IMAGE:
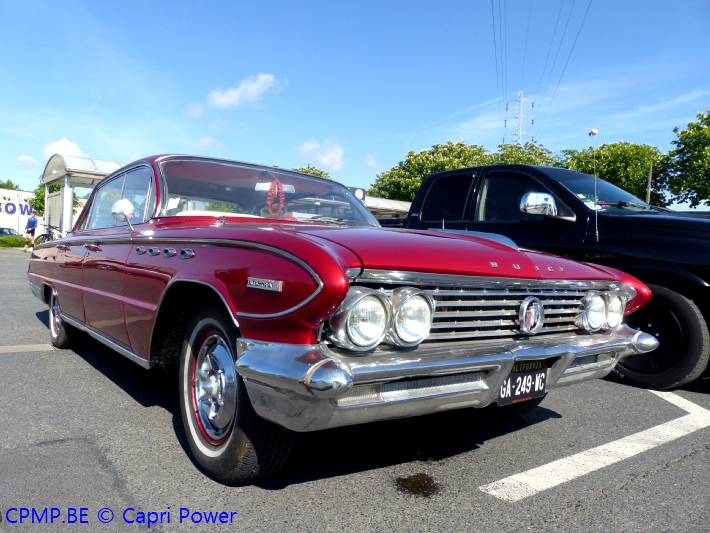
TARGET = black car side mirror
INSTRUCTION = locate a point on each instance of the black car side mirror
(541, 203)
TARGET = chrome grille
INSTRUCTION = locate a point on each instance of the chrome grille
(470, 312)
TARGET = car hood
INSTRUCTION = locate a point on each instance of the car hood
(448, 253)
(667, 222)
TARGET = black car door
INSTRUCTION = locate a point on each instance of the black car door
(496, 209)
(446, 205)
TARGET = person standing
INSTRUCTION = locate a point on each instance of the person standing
(30, 228)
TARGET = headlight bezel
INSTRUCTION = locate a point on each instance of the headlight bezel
(400, 297)
(338, 332)
(608, 298)
(588, 301)
(611, 296)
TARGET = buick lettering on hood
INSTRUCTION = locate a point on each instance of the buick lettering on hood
(285, 308)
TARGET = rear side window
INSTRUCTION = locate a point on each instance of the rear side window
(447, 200)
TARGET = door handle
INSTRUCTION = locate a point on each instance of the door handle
(63, 247)
(93, 247)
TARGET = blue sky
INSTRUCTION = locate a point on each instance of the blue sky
(348, 86)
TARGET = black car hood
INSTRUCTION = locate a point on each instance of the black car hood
(666, 222)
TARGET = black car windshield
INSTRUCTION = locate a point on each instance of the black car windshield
(199, 187)
(608, 196)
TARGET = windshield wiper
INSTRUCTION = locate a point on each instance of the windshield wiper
(329, 220)
(623, 203)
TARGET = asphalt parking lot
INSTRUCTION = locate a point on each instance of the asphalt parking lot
(87, 428)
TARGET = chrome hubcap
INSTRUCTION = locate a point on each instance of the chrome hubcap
(215, 387)
(55, 318)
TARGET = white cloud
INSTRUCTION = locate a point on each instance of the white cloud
(218, 126)
(328, 156)
(62, 146)
(27, 161)
(249, 90)
(371, 162)
(195, 110)
(209, 141)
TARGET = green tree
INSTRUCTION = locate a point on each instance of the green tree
(623, 164)
(313, 171)
(686, 170)
(530, 153)
(402, 181)
(37, 203)
(9, 185)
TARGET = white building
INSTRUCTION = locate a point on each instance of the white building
(14, 209)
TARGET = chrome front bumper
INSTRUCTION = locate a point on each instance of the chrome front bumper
(307, 388)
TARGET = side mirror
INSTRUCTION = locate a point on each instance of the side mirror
(123, 210)
(538, 203)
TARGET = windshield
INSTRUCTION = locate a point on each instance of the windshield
(222, 188)
(609, 197)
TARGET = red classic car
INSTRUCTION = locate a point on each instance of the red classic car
(284, 307)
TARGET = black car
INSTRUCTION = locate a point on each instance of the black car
(578, 216)
(8, 232)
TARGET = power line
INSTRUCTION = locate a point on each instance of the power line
(525, 53)
(502, 50)
(495, 51)
(552, 41)
(552, 69)
(565, 67)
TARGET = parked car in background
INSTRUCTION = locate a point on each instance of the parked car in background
(574, 215)
(9, 232)
(284, 307)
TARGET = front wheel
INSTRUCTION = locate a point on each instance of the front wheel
(229, 441)
(684, 344)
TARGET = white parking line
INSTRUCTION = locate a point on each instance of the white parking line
(520, 486)
(26, 348)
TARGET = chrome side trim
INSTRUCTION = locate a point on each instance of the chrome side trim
(120, 349)
(79, 240)
(252, 245)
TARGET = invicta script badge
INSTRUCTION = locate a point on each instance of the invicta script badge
(265, 284)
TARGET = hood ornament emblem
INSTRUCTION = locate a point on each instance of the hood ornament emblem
(516, 266)
(531, 315)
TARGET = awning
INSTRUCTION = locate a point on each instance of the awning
(382, 207)
(82, 171)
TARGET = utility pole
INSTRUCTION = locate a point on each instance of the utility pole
(519, 116)
(648, 185)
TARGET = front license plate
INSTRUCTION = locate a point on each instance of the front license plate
(526, 381)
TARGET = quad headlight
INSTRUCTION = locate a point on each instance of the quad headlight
(361, 321)
(602, 310)
(615, 310)
(367, 317)
(413, 315)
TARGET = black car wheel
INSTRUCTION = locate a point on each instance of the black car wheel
(229, 441)
(684, 343)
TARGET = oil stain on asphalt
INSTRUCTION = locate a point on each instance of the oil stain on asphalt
(417, 485)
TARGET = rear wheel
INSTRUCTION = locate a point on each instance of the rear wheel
(229, 441)
(60, 333)
(684, 343)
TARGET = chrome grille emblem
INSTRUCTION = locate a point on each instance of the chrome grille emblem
(531, 315)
